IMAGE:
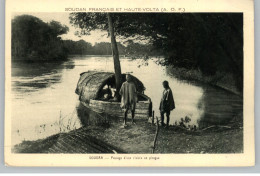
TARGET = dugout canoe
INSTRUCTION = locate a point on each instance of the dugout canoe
(89, 88)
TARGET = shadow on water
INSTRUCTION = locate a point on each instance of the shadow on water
(220, 107)
(49, 90)
(89, 117)
(216, 106)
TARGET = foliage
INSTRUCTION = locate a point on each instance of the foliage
(209, 42)
(104, 48)
(33, 39)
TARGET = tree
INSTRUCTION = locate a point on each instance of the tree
(33, 39)
(209, 42)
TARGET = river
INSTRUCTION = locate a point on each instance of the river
(44, 100)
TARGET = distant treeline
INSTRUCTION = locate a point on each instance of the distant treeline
(35, 40)
(104, 48)
(211, 43)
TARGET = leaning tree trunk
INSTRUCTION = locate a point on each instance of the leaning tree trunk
(115, 54)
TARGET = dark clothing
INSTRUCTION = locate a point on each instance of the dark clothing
(167, 116)
(167, 104)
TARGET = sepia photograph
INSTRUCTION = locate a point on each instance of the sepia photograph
(103, 81)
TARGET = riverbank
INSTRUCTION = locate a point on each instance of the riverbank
(104, 139)
(139, 138)
(224, 81)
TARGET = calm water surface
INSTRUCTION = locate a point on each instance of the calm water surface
(44, 100)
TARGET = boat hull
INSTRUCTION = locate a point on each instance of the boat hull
(143, 108)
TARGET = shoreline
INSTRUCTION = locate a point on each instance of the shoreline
(112, 138)
(225, 82)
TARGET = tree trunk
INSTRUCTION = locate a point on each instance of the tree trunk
(115, 54)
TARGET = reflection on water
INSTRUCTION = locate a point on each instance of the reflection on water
(88, 117)
(44, 100)
(32, 76)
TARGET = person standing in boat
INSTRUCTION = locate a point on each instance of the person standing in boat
(128, 97)
(167, 103)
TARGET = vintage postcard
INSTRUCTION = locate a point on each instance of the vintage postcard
(129, 83)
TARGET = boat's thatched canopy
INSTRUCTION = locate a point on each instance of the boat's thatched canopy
(91, 83)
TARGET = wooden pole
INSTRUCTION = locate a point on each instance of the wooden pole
(115, 54)
(153, 118)
(156, 134)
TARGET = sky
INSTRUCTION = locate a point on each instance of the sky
(63, 18)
